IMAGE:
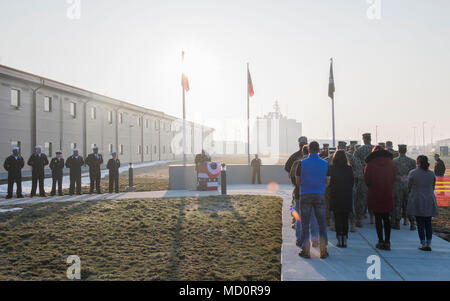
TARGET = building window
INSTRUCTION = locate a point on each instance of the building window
(110, 148)
(156, 125)
(73, 110)
(146, 123)
(15, 144)
(139, 120)
(120, 118)
(73, 145)
(93, 113)
(15, 98)
(164, 149)
(47, 104)
(48, 149)
(121, 149)
(110, 117)
(139, 149)
(147, 149)
(154, 147)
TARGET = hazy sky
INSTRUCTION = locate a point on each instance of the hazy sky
(393, 72)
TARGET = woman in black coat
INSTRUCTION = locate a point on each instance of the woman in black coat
(341, 194)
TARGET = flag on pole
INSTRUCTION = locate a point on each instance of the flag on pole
(331, 88)
(250, 84)
(185, 82)
(184, 78)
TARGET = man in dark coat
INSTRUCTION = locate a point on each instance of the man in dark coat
(113, 167)
(256, 169)
(37, 161)
(57, 165)
(74, 163)
(14, 164)
(439, 167)
(94, 161)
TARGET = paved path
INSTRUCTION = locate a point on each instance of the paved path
(404, 262)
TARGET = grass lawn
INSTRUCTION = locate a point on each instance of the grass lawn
(207, 238)
(142, 183)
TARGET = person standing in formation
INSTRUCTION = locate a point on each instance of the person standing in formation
(439, 167)
(57, 165)
(74, 163)
(256, 169)
(379, 176)
(94, 161)
(312, 178)
(341, 194)
(422, 200)
(298, 155)
(358, 175)
(403, 165)
(37, 161)
(314, 227)
(390, 148)
(113, 167)
(361, 154)
(13, 165)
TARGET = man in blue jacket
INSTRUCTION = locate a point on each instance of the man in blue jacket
(312, 177)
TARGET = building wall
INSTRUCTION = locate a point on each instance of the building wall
(61, 129)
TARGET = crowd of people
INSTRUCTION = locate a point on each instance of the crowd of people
(38, 161)
(339, 188)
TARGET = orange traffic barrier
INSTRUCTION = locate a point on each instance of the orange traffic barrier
(442, 191)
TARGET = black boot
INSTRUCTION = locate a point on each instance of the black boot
(344, 241)
(339, 241)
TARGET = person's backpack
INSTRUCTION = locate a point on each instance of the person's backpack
(293, 170)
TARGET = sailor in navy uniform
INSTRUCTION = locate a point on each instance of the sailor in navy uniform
(57, 165)
(14, 164)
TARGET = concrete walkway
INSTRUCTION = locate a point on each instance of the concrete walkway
(404, 262)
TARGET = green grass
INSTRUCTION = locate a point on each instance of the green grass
(208, 238)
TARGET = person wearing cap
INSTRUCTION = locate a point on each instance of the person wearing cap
(94, 161)
(288, 167)
(325, 151)
(390, 148)
(352, 148)
(13, 165)
(57, 165)
(382, 145)
(361, 202)
(404, 165)
(37, 161)
(74, 163)
(439, 167)
(256, 169)
(113, 166)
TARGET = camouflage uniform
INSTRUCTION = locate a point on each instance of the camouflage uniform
(404, 165)
(358, 174)
(361, 204)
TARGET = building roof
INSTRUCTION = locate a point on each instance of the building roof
(50, 83)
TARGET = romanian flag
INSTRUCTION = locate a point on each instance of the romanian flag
(185, 82)
(250, 84)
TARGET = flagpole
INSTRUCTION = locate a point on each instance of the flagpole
(184, 117)
(248, 117)
(332, 103)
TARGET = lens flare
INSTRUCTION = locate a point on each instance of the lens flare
(273, 187)
(295, 214)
